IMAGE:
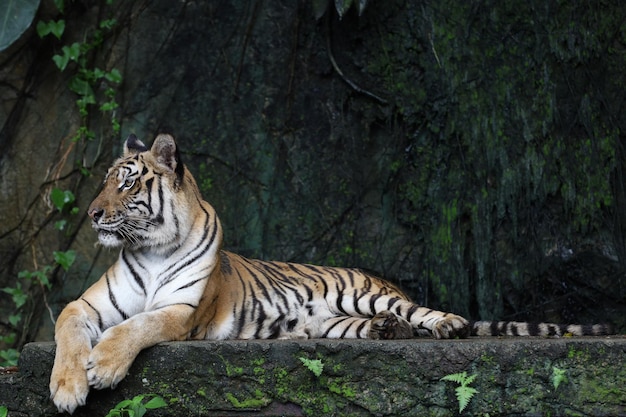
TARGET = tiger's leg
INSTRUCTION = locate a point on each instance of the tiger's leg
(111, 358)
(78, 364)
(385, 325)
(441, 325)
(76, 328)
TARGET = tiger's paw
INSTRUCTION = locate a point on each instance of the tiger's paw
(387, 325)
(451, 326)
(107, 366)
(68, 388)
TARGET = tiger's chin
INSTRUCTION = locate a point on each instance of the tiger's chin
(110, 239)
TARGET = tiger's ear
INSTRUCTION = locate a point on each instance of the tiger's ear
(165, 151)
(133, 145)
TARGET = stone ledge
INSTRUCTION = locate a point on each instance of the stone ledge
(514, 377)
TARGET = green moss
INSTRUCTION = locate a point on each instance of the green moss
(605, 388)
(231, 370)
(488, 359)
(577, 354)
(340, 388)
(258, 401)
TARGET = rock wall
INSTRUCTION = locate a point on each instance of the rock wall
(514, 377)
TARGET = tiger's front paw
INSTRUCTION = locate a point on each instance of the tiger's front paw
(68, 388)
(107, 366)
(451, 326)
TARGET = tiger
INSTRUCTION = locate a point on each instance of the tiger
(173, 281)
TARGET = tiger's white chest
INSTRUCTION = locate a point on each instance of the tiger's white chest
(153, 281)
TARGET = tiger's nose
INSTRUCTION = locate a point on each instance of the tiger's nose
(95, 213)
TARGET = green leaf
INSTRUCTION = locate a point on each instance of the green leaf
(314, 365)
(60, 4)
(14, 319)
(8, 339)
(42, 276)
(70, 53)
(108, 23)
(81, 87)
(156, 402)
(61, 61)
(459, 378)
(114, 76)
(108, 106)
(98, 73)
(24, 274)
(73, 51)
(15, 17)
(4, 412)
(558, 376)
(17, 295)
(65, 259)
(56, 28)
(123, 404)
(469, 379)
(60, 225)
(9, 356)
(61, 198)
(464, 394)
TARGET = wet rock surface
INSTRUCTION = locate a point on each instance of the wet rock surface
(521, 377)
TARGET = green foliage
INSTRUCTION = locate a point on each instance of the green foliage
(63, 201)
(64, 259)
(9, 356)
(558, 376)
(4, 412)
(51, 27)
(314, 365)
(464, 392)
(20, 297)
(86, 78)
(61, 198)
(136, 407)
(69, 53)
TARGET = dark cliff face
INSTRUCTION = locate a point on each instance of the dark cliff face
(471, 153)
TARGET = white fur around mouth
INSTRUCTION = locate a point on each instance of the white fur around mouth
(108, 238)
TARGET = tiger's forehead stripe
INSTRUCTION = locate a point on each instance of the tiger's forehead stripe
(122, 172)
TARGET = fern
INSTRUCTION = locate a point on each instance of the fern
(558, 376)
(463, 392)
(314, 365)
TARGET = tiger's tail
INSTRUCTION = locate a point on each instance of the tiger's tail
(513, 328)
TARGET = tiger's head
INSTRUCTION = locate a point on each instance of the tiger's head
(146, 197)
